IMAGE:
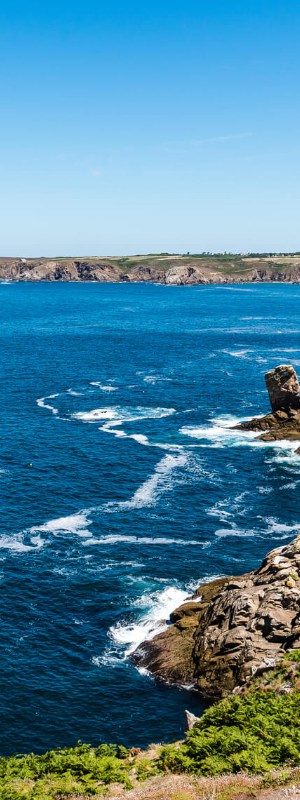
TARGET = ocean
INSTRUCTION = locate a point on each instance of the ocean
(123, 487)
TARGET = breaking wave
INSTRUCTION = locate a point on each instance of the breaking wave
(221, 433)
(157, 609)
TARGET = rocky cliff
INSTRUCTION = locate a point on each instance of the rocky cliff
(231, 628)
(163, 268)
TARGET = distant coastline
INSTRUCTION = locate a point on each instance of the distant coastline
(163, 268)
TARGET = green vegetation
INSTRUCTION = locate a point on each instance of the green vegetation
(254, 731)
(253, 734)
(61, 773)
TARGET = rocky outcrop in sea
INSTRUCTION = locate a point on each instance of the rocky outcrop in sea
(284, 420)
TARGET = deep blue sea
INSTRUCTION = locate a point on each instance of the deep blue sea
(123, 487)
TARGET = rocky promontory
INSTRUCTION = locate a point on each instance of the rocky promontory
(230, 628)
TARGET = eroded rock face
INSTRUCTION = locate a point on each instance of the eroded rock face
(283, 387)
(284, 421)
(231, 627)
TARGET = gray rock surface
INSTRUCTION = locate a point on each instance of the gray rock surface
(231, 628)
(283, 387)
(191, 720)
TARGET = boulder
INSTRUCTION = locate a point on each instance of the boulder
(190, 720)
(238, 625)
(284, 421)
(283, 387)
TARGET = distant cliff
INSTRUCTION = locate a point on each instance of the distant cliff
(179, 270)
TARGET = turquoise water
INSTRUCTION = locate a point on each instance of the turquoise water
(121, 397)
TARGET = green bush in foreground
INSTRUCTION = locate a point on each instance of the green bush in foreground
(253, 733)
(74, 770)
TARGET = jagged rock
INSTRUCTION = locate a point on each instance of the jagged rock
(230, 627)
(284, 421)
(191, 720)
(283, 387)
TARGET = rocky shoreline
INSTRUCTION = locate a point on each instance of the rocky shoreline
(235, 626)
(177, 270)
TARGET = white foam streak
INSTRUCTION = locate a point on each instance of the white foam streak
(115, 416)
(104, 388)
(98, 414)
(156, 540)
(153, 379)
(220, 432)
(42, 404)
(140, 438)
(238, 353)
(148, 493)
(274, 530)
(74, 524)
(279, 528)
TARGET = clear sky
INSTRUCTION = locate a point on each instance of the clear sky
(146, 126)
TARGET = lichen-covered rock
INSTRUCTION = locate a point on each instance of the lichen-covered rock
(231, 627)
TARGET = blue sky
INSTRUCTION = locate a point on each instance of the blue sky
(131, 127)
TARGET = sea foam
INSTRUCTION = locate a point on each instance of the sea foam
(74, 523)
(112, 538)
(148, 493)
(157, 610)
(42, 404)
(221, 433)
(115, 416)
(103, 387)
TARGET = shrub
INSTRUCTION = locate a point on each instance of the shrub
(253, 733)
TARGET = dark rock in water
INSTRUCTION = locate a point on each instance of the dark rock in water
(284, 421)
(231, 628)
(283, 387)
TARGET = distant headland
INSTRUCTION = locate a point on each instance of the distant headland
(164, 268)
